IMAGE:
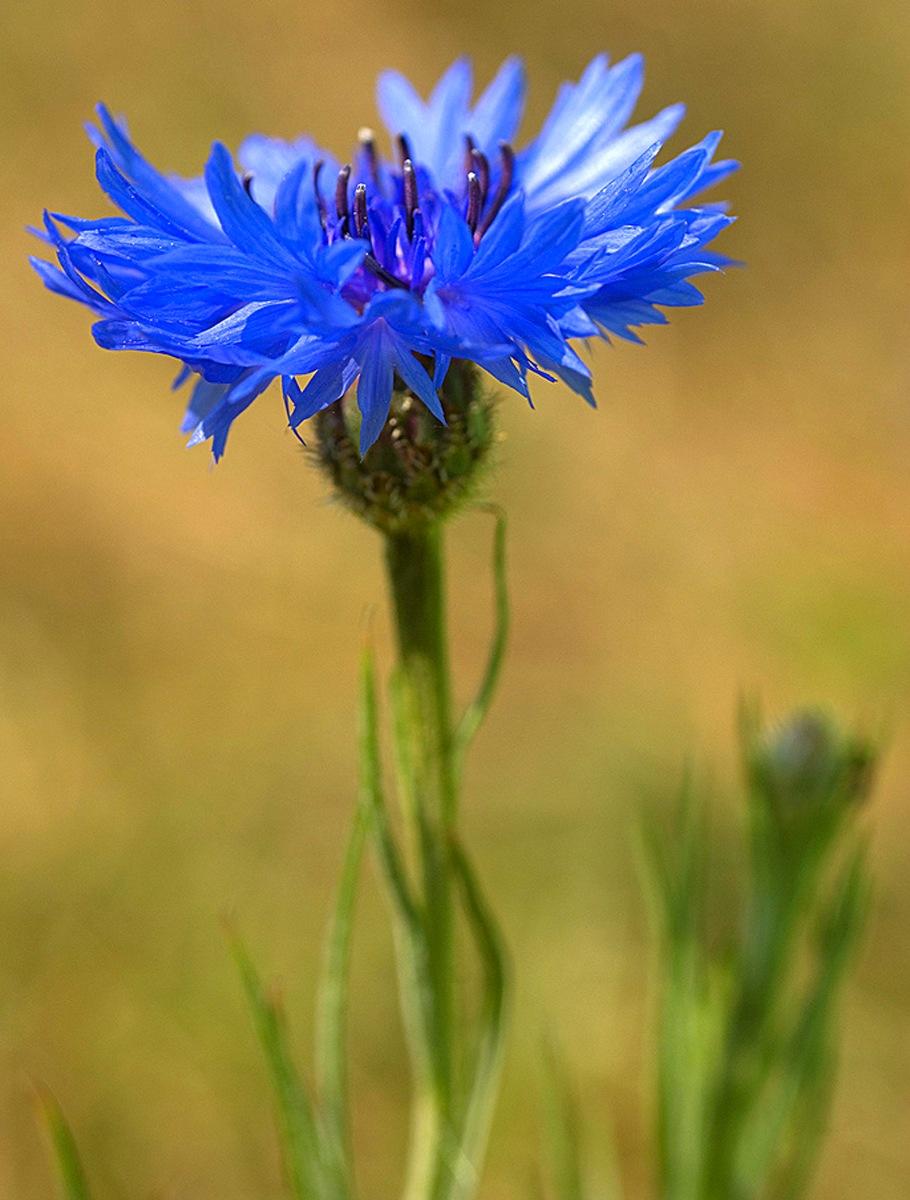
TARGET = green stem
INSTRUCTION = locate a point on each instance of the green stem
(415, 566)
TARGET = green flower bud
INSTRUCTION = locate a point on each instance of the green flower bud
(419, 470)
(806, 764)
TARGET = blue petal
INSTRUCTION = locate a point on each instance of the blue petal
(268, 160)
(374, 390)
(606, 208)
(204, 399)
(132, 202)
(153, 185)
(503, 237)
(449, 105)
(216, 424)
(454, 246)
(401, 108)
(497, 114)
(327, 385)
(416, 378)
(244, 222)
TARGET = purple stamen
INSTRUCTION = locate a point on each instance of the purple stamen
(404, 148)
(480, 165)
(361, 225)
(474, 201)
(410, 194)
(341, 200)
(507, 154)
(320, 202)
(373, 265)
(248, 183)
(469, 152)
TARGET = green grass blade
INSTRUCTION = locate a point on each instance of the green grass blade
(487, 1066)
(563, 1129)
(66, 1154)
(331, 1061)
(690, 1009)
(477, 710)
(299, 1135)
(812, 1046)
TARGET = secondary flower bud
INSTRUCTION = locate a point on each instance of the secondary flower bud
(807, 763)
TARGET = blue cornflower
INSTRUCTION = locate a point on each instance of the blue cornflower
(289, 264)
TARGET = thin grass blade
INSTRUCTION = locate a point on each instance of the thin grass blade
(487, 1065)
(476, 711)
(71, 1173)
(563, 1129)
(298, 1130)
(331, 1023)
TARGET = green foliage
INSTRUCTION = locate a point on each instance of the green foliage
(455, 1069)
(455, 1076)
(302, 1147)
(331, 1056)
(430, 883)
(485, 1068)
(476, 711)
(455, 1072)
(562, 1127)
(66, 1155)
(746, 1033)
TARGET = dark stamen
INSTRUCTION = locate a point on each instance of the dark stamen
(473, 201)
(470, 148)
(373, 264)
(410, 194)
(320, 202)
(248, 183)
(404, 148)
(481, 167)
(367, 139)
(341, 199)
(361, 227)
(507, 155)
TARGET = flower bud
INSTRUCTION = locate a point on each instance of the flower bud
(806, 764)
(419, 470)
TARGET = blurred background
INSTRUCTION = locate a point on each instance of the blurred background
(178, 645)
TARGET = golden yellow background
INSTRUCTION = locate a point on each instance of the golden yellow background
(178, 645)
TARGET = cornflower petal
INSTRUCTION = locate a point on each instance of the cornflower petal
(286, 264)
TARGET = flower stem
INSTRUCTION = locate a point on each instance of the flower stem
(414, 560)
(415, 566)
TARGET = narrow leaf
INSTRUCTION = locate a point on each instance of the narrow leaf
(563, 1129)
(487, 1065)
(297, 1126)
(477, 710)
(69, 1165)
(333, 1007)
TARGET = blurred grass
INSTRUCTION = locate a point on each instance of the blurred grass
(178, 646)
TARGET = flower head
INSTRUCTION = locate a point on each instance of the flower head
(379, 272)
(806, 764)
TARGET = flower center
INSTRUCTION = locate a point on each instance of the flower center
(396, 212)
